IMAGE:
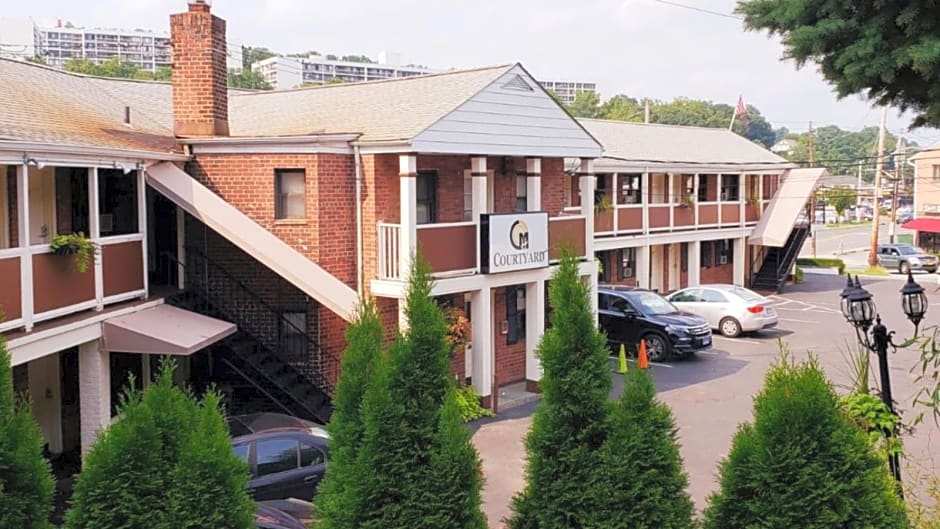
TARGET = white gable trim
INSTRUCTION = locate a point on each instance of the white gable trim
(504, 120)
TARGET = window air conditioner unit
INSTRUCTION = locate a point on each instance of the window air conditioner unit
(627, 272)
(723, 259)
(106, 223)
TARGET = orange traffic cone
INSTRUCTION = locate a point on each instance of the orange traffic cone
(642, 361)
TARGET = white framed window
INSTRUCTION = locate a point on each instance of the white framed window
(290, 196)
(936, 173)
(522, 194)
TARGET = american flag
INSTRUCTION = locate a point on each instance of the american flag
(741, 109)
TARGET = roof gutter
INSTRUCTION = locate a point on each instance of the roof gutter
(277, 140)
(23, 147)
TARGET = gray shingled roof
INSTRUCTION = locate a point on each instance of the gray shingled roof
(633, 145)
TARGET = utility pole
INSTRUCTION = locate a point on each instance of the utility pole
(812, 198)
(858, 194)
(646, 112)
(898, 151)
(876, 209)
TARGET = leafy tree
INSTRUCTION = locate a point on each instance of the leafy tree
(113, 67)
(840, 197)
(338, 500)
(163, 73)
(802, 463)
(417, 467)
(622, 108)
(571, 425)
(251, 55)
(247, 79)
(887, 51)
(641, 473)
(335, 80)
(843, 152)
(37, 59)
(331, 57)
(210, 482)
(585, 105)
(26, 483)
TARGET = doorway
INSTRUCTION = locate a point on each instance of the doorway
(124, 366)
(163, 250)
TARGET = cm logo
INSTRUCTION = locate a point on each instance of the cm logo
(519, 235)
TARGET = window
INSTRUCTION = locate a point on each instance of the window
(276, 455)
(627, 263)
(515, 314)
(706, 254)
(684, 257)
(936, 173)
(618, 304)
(713, 296)
(467, 198)
(242, 451)
(630, 189)
(729, 187)
(117, 202)
(311, 455)
(703, 188)
(291, 196)
(522, 194)
(292, 338)
(600, 188)
(426, 197)
(724, 252)
(603, 266)
(686, 296)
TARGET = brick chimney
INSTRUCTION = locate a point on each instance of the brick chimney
(200, 76)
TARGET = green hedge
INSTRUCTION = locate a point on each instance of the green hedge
(822, 262)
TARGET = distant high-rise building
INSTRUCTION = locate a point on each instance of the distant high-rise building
(567, 90)
(289, 72)
(58, 43)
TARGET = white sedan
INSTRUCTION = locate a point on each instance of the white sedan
(728, 309)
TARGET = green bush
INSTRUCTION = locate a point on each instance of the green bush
(338, 500)
(822, 262)
(798, 275)
(802, 463)
(416, 467)
(26, 483)
(468, 402)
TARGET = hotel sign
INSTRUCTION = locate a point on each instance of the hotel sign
(513, 241)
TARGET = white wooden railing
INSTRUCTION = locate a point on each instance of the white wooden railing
(389, 251)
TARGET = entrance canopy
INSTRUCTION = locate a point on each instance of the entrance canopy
(164, 330)
(777, 221)
(927, 225)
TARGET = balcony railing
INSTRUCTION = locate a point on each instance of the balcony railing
(388, 249)
(38, 285)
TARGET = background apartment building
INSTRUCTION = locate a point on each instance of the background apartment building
(567, 90)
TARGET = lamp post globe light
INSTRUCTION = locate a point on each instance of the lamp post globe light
(859, 309)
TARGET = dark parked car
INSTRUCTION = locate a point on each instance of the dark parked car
(628, 315)
(270, 517)
(286, 455)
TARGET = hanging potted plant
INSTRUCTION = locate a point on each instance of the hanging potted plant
(687, 201)
(74, 244)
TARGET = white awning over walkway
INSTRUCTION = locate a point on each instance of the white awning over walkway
(778, 219)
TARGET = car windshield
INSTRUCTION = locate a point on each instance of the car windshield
(909, 250)
(651, 304)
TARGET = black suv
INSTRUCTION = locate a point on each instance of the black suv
(628, 315)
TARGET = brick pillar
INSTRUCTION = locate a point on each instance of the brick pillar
(94, 386)
(200, 75)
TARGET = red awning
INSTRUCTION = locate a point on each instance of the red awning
(928, 225)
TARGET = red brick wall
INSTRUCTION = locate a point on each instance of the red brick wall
(510, 359)
(553, 185)
(718, 274)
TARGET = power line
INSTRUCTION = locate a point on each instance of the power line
(700, 10)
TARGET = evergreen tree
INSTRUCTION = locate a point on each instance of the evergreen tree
(338, 501)
(641, 473)
(571, 424)
(210, 482)
(26, 483)
(801, 463)
(416, 467)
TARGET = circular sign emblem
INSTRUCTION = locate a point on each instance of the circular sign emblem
(519, 235)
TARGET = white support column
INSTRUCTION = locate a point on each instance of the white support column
(643, 266)
(760, 196)
(94, 232)
(695, 263)
(742, 198)
(23, 232)
(481, 319)
(94, 386)
(671, 198)
(719, 177)
(533, 183)
(587, 183)
(479, 195)
(657, 260)
(534, 327)
(645, 200)
(695, 183)
(408, 237)
(740, 247)
(142, 227)
(614, 196)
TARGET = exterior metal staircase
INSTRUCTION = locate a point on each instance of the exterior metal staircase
(291, 381)
(778, 262)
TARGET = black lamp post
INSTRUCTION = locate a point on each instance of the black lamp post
(859, 310)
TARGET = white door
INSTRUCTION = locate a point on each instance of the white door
(714, 306)
(41, 205)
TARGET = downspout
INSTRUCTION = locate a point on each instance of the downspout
(359, 268)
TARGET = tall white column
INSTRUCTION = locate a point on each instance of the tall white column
(95, 233)
(740, 248)
(534, 327)
(142, 228)
(643, 266)
(645, 200)
(742, 198)
(671, 198)
(695, 263)
(657, 255)
(23, 232)
(94, 386)
(408, 237)
(481, 319)
(614, 198)
(533, 183)
(587, 183)
(695, 181)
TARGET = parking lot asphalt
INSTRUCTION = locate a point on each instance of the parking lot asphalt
(711, 394)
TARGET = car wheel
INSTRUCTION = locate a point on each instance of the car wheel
(730, 327)
(931, 270)
(657, 349)
(904, 268)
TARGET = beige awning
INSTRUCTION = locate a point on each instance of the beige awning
(778, 219)
(164, 330)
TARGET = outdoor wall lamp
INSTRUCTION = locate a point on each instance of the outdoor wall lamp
(32, 161)
(859, 309)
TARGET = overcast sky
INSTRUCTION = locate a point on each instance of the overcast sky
(642, 48)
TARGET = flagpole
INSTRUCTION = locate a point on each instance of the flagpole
(734, 114)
